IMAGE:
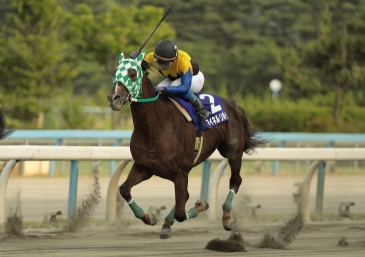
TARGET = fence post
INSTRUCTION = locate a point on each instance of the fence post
(205, 181)
(72, 195)
(276, 163)
(112, 163)
(4, 178)
(320, 187)
(52, 163)
(320, 183)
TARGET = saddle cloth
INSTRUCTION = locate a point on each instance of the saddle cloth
(211, 102)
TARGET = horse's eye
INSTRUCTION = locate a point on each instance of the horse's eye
(132, 74)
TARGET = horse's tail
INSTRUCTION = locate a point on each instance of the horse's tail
(3, 131)
(252, 139)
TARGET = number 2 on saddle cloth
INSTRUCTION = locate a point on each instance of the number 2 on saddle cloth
(212, 103)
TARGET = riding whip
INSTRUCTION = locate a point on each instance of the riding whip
(156, 27)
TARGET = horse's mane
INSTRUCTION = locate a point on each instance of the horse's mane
(145, 75)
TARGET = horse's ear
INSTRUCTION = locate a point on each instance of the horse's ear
(121, 57)
(140, 57)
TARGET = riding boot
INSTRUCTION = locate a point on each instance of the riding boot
(202, 113)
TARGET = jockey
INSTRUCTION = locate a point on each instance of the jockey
(182, 73)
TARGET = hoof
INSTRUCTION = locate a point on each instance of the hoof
(228, 220)
(229, 226)
(149, 219)
(165, 233)
(201, 206)
(153, 219)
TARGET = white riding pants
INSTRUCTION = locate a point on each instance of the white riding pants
(197, 82)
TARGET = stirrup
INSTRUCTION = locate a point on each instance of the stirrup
(202, 121)
(206, 124)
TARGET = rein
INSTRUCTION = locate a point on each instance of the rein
(145, 100)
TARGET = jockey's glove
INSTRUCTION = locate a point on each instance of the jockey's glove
(160, 89)
(134, 54)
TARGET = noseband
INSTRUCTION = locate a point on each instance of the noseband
(127, 101)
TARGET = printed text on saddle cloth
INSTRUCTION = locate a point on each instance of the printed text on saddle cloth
(214, 105)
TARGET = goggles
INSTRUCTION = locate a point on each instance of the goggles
(164, 65)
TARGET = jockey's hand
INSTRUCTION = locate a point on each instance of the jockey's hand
(161, 89)
(134, 54)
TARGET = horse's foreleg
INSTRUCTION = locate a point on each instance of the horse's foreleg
(166, 227)
(135, 176)
(147, 218)
(181, 195)
(178, 211)
(192, 213)
(199, 207)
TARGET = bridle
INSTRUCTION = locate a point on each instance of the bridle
(126, 100)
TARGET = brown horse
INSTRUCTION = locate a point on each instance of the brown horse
(162, 143)
(3, 131)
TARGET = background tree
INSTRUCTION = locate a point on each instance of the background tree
(33, 63)
(102, 37)
(336, 59)
(97, 6)
(237, 43)
(51, 45)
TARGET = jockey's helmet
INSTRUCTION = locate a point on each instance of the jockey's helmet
(165, 50)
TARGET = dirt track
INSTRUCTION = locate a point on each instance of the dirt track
(188, 238)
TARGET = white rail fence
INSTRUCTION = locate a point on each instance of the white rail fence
(79, 153)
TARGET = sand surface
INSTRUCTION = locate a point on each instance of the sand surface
(132, 238)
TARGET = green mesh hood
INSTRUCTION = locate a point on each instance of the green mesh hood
(121, 74)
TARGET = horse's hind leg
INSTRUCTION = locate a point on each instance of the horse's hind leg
(234, 184)
(192, 213)
(136, 176)
(227, 218)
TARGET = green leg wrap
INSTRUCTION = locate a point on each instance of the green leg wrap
(192, 213)
(170, 217)
(138, 212)
(228, 203)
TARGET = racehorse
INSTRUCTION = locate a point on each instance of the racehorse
(163, 143)
(3, 131)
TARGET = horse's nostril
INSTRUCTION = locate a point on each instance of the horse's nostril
(116, 97)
